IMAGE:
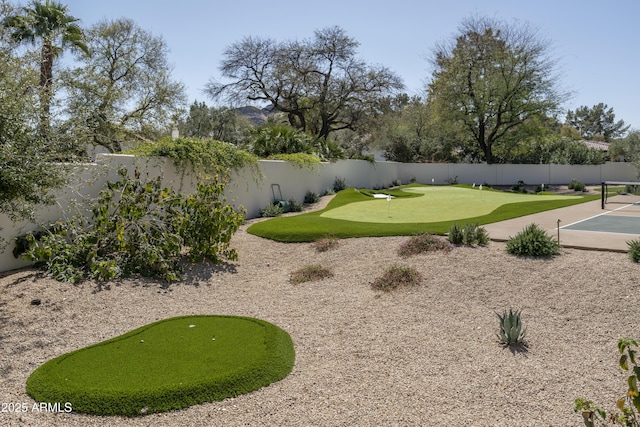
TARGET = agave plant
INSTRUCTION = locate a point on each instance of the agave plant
(511, 331)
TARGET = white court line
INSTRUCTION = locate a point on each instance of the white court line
(596, 216)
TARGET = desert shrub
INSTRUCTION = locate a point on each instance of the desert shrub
(295, 206)
(139, 228)
(271, 210)
(634, 250)
(339, 184)
(397, 276)
(576, 185)
(326, 243)
(396, 183)
(310, 197)
(533, 241)
(631, 189)
(519, 187)
(329, 191)
(511, 332)
(629, 405)
(310, 273)
(422, 243)
(412, 179)
(452, 181)
(469, 234)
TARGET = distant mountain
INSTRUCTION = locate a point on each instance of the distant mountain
(256, 115)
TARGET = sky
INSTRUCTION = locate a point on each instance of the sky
(597, 43)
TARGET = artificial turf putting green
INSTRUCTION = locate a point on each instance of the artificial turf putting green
(170, 364)
(413, 209)
(435, 204)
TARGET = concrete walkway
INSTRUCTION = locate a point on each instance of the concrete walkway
(548, 220)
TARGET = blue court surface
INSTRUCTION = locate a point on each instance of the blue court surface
(608, 224)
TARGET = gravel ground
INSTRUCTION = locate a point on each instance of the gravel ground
(421, 356)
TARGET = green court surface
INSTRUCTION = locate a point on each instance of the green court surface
(435, 204)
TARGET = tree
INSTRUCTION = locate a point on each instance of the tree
(123, 89)
(491, 79)
(628, 148)
(26, 175)
(319, 84)
(51, 23)
(596, 122)
(221, 124)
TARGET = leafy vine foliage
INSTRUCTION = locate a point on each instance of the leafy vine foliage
(629, 405)
(139, 228)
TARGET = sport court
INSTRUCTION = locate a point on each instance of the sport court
(583, 226)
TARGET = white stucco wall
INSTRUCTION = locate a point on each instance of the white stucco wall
(253, 190)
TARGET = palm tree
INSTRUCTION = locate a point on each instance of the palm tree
(50, 23)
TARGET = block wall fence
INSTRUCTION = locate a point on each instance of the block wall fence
(253, 189)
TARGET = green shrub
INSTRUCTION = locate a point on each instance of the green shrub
(469, 234)
(310, 273)
(519, 187)
(167, 365)
(326, 243)
(533, 241)
(576, 185)
(201, 154)
(397, 276)
(294, 206)
(422, 243)
(634, 250)
(310, 197)
(511, 332)
(339, 184)
(139, 228)
(271, 210)
(629, 405)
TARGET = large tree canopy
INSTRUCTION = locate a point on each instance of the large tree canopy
(492, 78)
(49, 22)
(123, 89)
(319, 83)
(596, 122)
(26, 174)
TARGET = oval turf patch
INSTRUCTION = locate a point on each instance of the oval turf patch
(170, 364)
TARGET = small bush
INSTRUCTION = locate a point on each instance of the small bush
(325, 244)
(329, 191)
(533, 241)
(339, 184)
(511, 332)
(310, 273)
(412, 179)
(519, 187)
(397, 276)
(468, 235)
(310, 197)
(294, 206)
(422, 243)
(634, 250)
(396, 183)
(271, 210)
(576, 185)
